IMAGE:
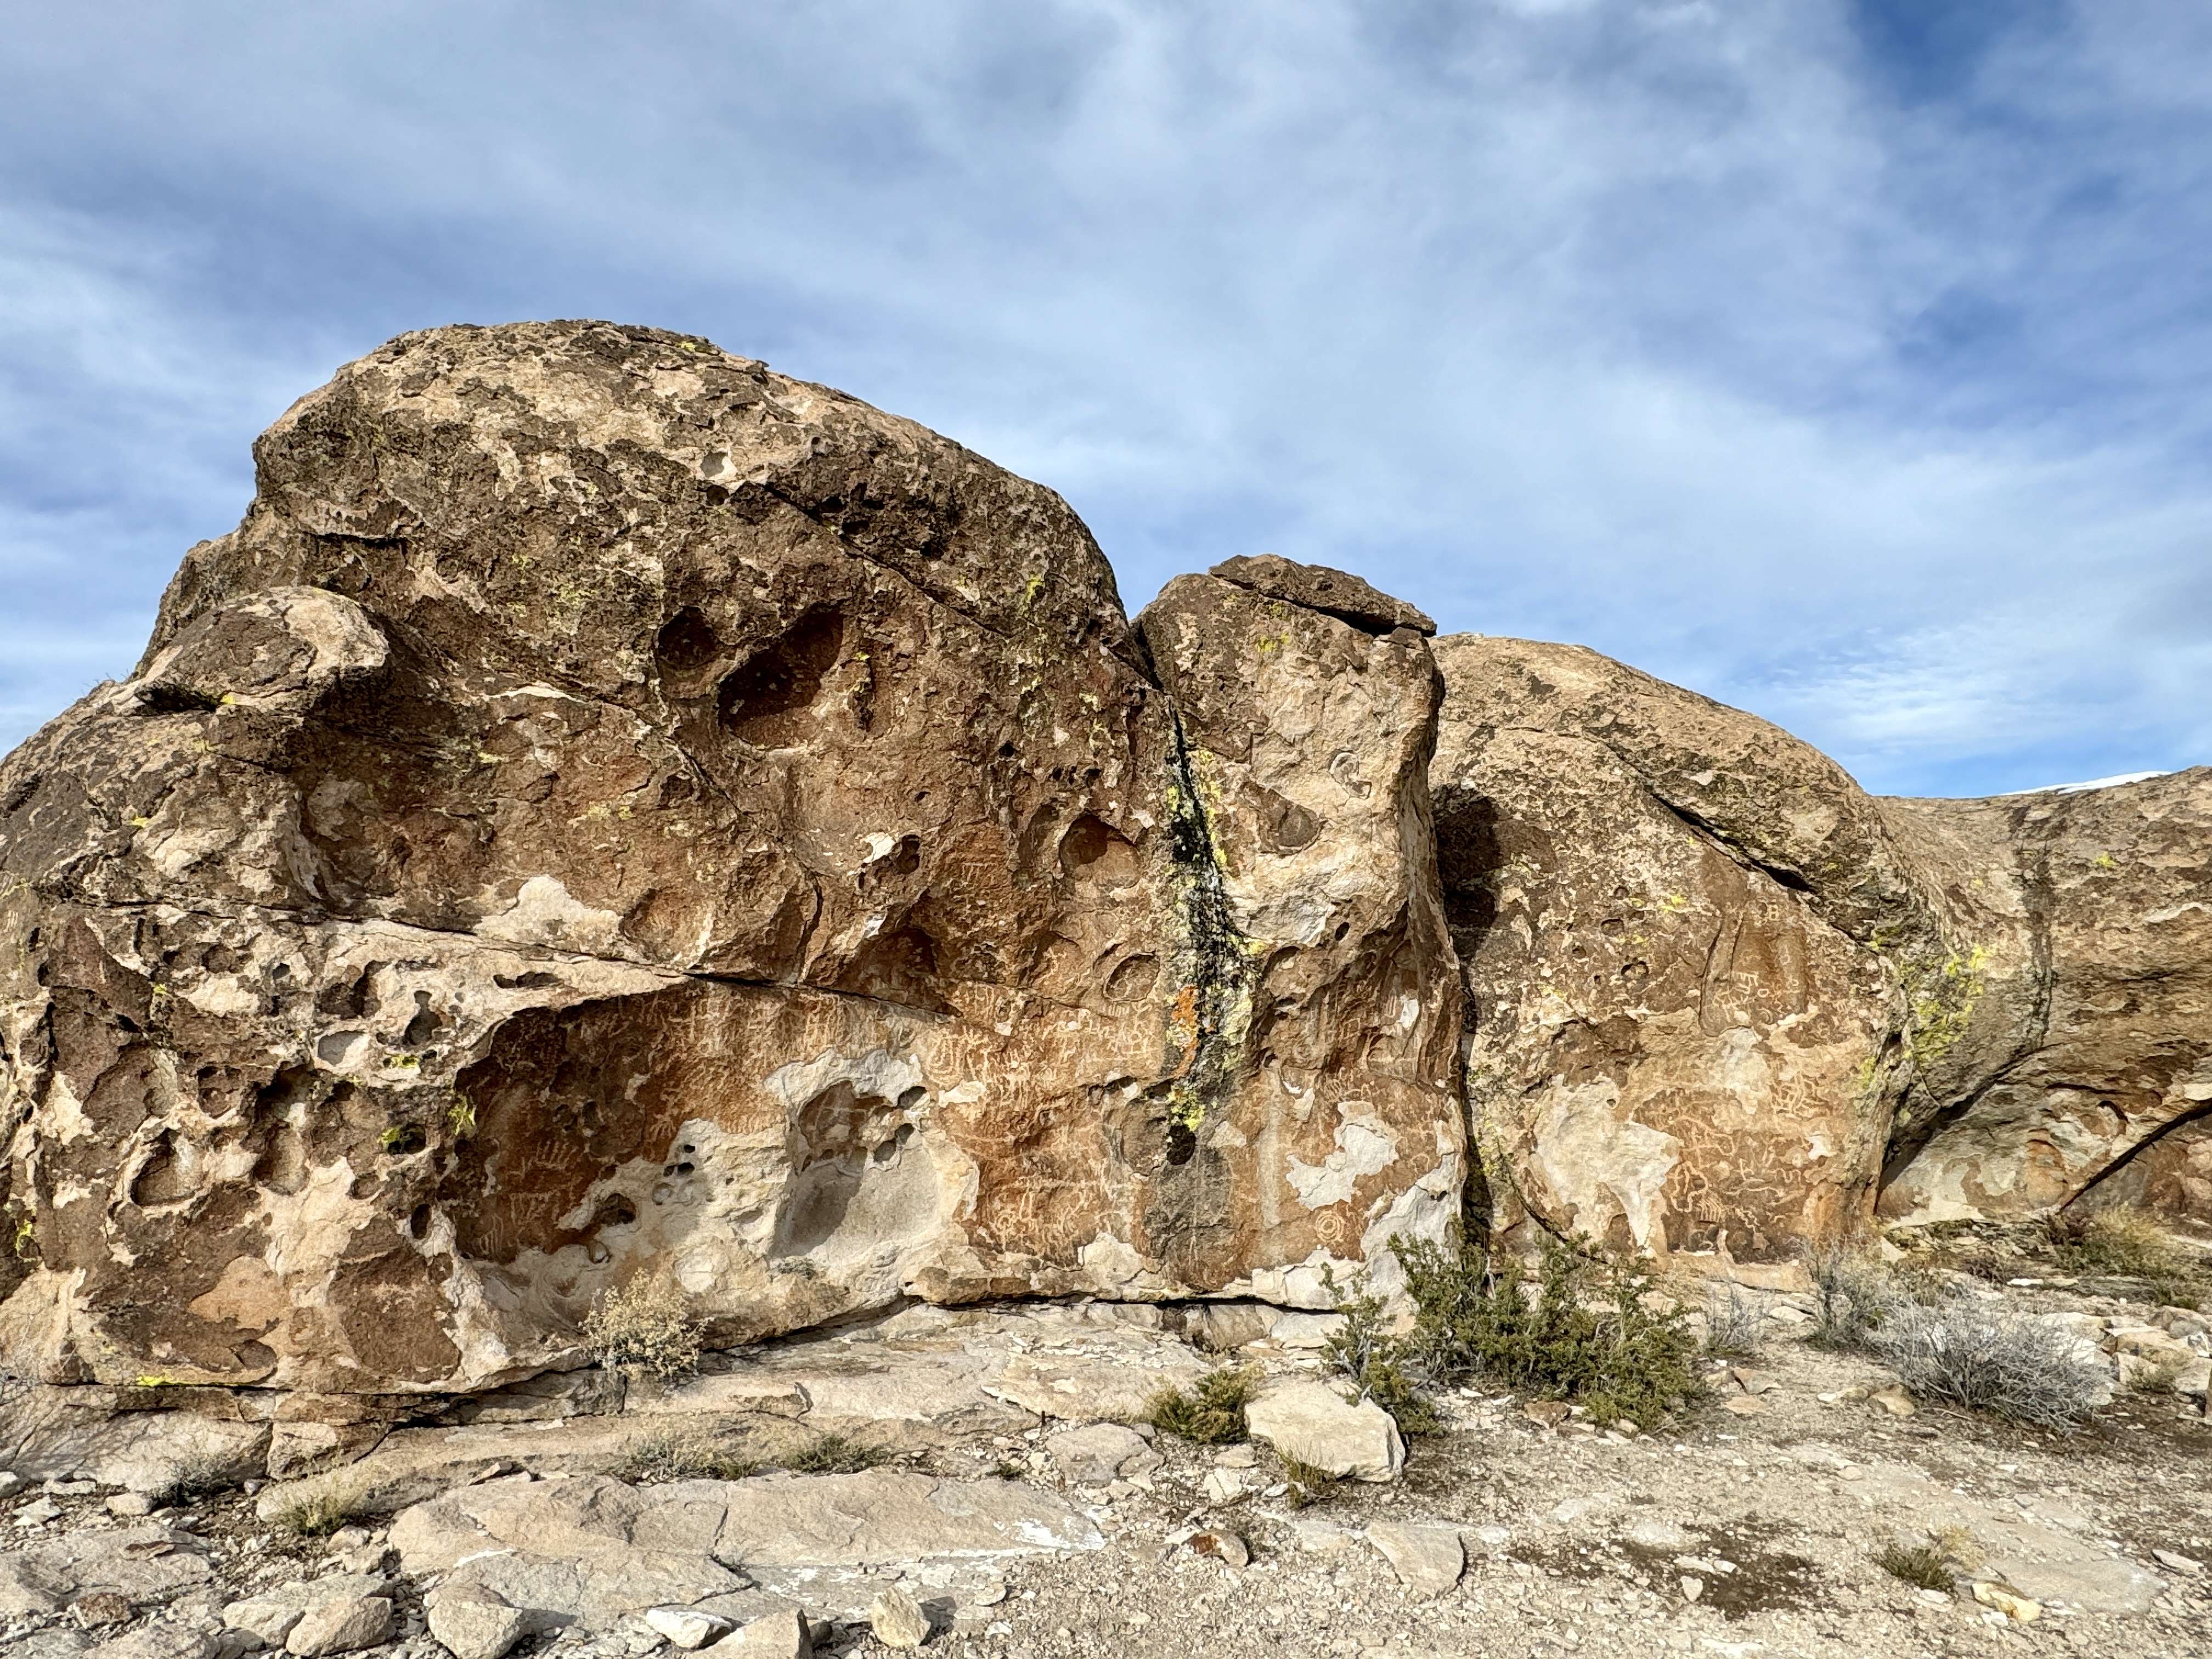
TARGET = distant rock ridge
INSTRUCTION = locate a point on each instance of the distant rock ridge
(610, 811)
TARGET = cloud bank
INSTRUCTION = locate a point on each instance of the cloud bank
(1841, 361)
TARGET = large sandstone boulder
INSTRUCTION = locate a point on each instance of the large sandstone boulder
(2091, 1024)
(611, 810)
(1667, 912)
(1719, 998)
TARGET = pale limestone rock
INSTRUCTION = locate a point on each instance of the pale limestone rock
(472, 1623)
(1312, 1422)
(343, 1624)
(897, 1620)
(1428, 1560)
(776, 1636)
(687, 1627)
(1101, 1453)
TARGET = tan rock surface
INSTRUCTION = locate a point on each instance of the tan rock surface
(2086, 1057)
(1664, 909)
(612, 810)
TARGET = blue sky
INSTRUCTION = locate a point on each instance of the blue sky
(1846, 361)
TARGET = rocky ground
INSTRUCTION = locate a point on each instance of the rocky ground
(988, 1468)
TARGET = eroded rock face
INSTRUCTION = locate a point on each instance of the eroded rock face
(2090, 978)
(1720, 997)
(610, 808)
(1663, 908)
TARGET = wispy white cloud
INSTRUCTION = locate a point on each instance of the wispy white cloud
(1857, 389)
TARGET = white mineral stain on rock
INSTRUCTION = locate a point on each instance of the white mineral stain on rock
(545, 913)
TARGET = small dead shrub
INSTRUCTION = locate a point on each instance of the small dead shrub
(645, 1326)
(836, 1454)
(2020, 1367)
(1852, 1292)
(1918, 1564)
(204, 1475)
(1210, 1413)
(1735, 1326)
(681, 1454)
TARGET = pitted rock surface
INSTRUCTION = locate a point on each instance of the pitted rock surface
(1720, 999)
(2088, 1051)
(612, 810)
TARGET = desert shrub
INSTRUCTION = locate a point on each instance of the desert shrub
(644, 1326)
(202, 1474)
(1918, 1564)
(1852, 1292)
(1735, 1326)
(1380, 1364)
(2017, 1366)
(2123, 1241)
(1211, 1413)
(320, 1514)
(685, 1454)
(836, 1454)
(1582, 1329)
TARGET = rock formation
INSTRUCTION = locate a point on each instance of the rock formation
(611, 814)
(1720, 998)
(1665, 909)
(611, 810)
(2088, 1035)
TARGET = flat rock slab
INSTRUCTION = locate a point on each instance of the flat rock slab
(1311, 1421)
(1428, 1560)
(145, 1563)
(2038, 1561)
(1099, 1454)
(592, 1549)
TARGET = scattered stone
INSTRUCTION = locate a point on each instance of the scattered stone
(897, 1620)
(1692, 1588)
(38, 1512)
(267, 1620)
(782, 1635)
(1237, 1457)
(687, 1627)
(344, 1624)
(1099, 1454)
(158, 1640)
(100, 1609)
(1891, 1397)
(472, 1623)
(1309, 1421)
(2188, 1565)
(129, 1505)
(2018, 1608)
(1752, 1382)
(1742, 1405)
(1649, 1532)
(1428, 1560)
(1546, 1413)
(1222, 1545)
(1222, 1486)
